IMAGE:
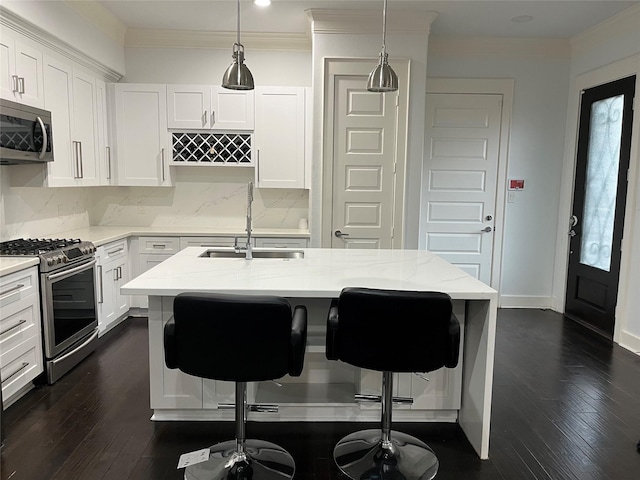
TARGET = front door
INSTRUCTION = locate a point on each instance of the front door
(364, 159)
(600, 192)
(462, 149)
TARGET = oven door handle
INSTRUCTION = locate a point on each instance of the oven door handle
(72, 271)
(79, 347)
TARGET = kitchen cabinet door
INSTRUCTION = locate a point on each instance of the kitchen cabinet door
(232, 109)
(103, 138)
(209, 107)
(189, 106)
(280, 137)
(21, 70)
(113, 272)
(85, 129)
(142, 138)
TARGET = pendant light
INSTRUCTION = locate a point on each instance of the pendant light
(238, 76)
(383, 78)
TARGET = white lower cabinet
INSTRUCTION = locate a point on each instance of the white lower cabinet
(21, 357)
(151, 252)
(112, 272)
(213, 242)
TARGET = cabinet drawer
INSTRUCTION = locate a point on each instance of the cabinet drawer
(207, 242)
(18, 285)
(19, 367)
(19, 322)
(281, 242)
(158, 245)
(114, 251)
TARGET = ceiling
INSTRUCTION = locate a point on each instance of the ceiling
(551, 19)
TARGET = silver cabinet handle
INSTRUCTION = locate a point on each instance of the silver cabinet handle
(15, 83)
(110, 253)
(21, 85)
(162, 163)
(159, 245)
(12, 289)
(258, 165)
(21, 322)
(204, 118)
(45, 139)
(22, 367)
(76, 155)
(339, 234)
(213, 117)
(81, 161)
(108, 163)
(487, 229)
(119, 273)
(101, 290)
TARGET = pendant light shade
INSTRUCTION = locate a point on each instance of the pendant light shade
(238, 76)
(383, 78)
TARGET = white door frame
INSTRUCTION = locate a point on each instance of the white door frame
(484, 86)
(363, 66)
(620, 69)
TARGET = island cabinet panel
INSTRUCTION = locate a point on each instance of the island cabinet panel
(170, 389)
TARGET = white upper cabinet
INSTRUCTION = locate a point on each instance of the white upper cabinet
(207, 107)
(142, 144)
(280, 137)
(71, 99)
(21, 70)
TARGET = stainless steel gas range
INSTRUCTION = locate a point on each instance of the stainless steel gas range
(67, 299)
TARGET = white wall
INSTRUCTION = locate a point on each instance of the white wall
(541, 74)
(206, 66)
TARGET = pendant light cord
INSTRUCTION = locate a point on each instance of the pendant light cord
(239, 21)
(384, 28)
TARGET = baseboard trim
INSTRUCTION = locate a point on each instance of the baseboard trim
(524, 301)
(630, 342)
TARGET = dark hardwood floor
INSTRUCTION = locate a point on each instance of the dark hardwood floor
(566, 405)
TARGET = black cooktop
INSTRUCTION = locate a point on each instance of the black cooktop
(35, 246)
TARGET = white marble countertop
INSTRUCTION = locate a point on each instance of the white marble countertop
(322, 273)
(101, 235)
(15, 264)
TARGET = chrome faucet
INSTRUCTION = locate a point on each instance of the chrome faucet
(248, 249)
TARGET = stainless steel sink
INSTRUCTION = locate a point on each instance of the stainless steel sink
(281, 254)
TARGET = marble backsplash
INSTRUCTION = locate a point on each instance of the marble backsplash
(202, 196)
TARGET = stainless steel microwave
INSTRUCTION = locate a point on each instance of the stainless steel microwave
(25, 134)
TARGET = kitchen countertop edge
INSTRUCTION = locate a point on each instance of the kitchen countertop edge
(9, 265)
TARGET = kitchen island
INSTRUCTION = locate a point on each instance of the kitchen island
(325, 391)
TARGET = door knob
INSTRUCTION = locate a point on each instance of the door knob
(487, 229)
(339, 234)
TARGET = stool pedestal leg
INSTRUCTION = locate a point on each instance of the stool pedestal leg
(243, 459)
(385, 454)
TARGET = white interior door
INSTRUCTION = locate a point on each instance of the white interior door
(364, 161)
(462, 144)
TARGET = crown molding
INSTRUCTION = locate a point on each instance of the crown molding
(625, 21)
(162, 38)
(499, 46)
(404, 22)
(12, 21)
(108, 23)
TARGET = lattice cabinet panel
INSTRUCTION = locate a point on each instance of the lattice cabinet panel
(212, 148)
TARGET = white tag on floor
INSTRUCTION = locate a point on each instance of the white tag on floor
(192, 458)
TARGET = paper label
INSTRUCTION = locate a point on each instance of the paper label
(192, 458)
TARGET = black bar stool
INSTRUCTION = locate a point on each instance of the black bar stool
(390, 331)
(237, 338)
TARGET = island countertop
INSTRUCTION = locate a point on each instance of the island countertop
(322, 273)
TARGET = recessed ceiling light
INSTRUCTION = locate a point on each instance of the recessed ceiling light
(522, 19)
(262, 3)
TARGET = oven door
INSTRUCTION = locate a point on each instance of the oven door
(69, 310)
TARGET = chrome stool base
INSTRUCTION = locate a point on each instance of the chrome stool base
(262, 461)
(362, 456)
